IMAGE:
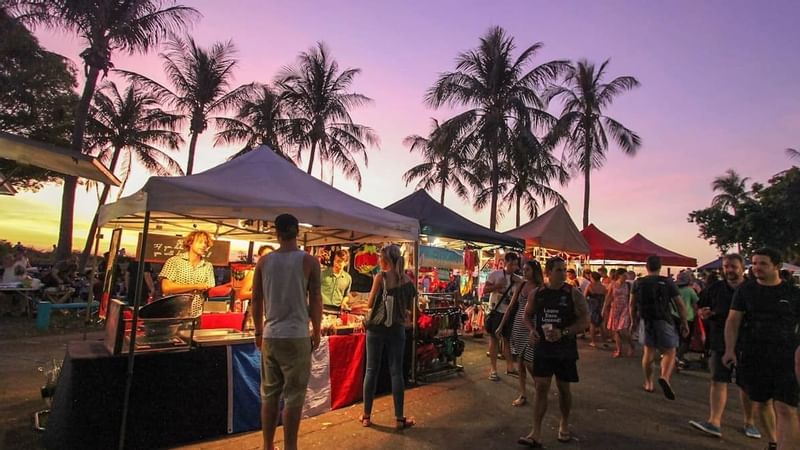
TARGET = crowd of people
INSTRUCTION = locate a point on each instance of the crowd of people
(750, 327)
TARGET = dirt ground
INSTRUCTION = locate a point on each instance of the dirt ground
(461, 411)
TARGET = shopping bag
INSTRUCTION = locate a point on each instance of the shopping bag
(698, 343)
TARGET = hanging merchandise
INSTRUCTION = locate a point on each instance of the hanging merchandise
(366, 259)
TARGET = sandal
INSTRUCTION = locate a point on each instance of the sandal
(520, 401)
(529, 442)
(616, 354)
(649, 391)
(493, 376)
(365, 422)
(405, 422)
(564, 436)
(665, 386)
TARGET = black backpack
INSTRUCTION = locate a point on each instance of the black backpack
(652, 295)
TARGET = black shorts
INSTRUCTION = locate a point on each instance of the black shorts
(563, 369)
(493, 321)
(719, 372)
(768, 377)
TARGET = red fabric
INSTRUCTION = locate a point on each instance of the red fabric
(223, 290)
(347, 360)
(668, 257)
(698, 343)
(221, 320)
(605, 247)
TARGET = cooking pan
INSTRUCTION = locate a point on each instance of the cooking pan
(171, 307)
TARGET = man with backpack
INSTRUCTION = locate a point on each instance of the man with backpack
(654, 297)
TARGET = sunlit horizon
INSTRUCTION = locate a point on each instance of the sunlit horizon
(719, 91)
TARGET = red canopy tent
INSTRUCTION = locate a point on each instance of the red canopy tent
(668, 257)
(604, 247)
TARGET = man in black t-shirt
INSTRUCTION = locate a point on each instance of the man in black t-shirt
(715, 303)
(653, 299)
(767, 311)
(556, 314)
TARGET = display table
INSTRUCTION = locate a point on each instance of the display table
(180, 397)
(221, 320)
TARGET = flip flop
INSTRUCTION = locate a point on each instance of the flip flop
(520, 401)
(649, 391)
(365, 422)
(668, 392)
(405, 422)
(529, 442)
(564, 437)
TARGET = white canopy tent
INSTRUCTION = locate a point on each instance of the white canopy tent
(240, 198)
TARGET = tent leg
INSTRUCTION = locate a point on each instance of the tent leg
(92, 275)
(250, 247)
(132, 347)
(414, 316)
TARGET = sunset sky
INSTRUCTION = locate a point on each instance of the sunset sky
(720, 90)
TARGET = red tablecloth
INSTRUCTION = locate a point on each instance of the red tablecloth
(221, 320)
(347, 360)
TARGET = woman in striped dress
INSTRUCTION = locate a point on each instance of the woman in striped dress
(520, 348)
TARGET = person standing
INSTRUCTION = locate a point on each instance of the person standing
(617, 310)
(595, 295)
(336, 281)
(654, 297)
(557, 313)
(390, 301)
(521, 349)
(189, 271)
(500, 285)
(286, 296)
(690, 299)
(767, 312)
(715, 304)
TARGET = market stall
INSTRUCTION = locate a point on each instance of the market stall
(454, 249)
(668, 257)
(605, 249)
(238, 200)
(553, 233)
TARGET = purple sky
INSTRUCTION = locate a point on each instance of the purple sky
(719, 90)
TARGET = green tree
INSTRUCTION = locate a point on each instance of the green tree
(732, 191)
(106, 26)
(319, 101)
(261, 120)
(201, 79)
(586, 98)
(500, 91)
(127, 126)
(445, 163)
(531, 170)
(37, 98)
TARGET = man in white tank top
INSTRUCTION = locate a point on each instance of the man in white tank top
(286, 295)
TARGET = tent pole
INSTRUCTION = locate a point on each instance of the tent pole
(414, 315)
(92, 275)
(250, 246)
(132, 347)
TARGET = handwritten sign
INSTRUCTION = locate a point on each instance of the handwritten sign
(162, 247)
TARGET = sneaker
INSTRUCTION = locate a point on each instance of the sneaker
(493, 376)
(706, 427)
(752, 432)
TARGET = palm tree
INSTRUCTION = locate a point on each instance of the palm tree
(260, 120)
(500, 90)
(319, 101)
(532, 168)
(446, 161)
(586, 97)
(792, 153)
(129, 125)
(201, 79)
(732, 189)
(132, 26)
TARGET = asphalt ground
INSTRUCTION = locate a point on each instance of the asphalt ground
(462, 411)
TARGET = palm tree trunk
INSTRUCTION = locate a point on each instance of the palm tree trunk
(587, 170)
(87, 248)
(519, 203)
(192, 147)
(64, 249)
(444, 185)
(311, 157)
(495, 181)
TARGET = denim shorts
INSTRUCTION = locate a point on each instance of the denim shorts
(660, 334)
